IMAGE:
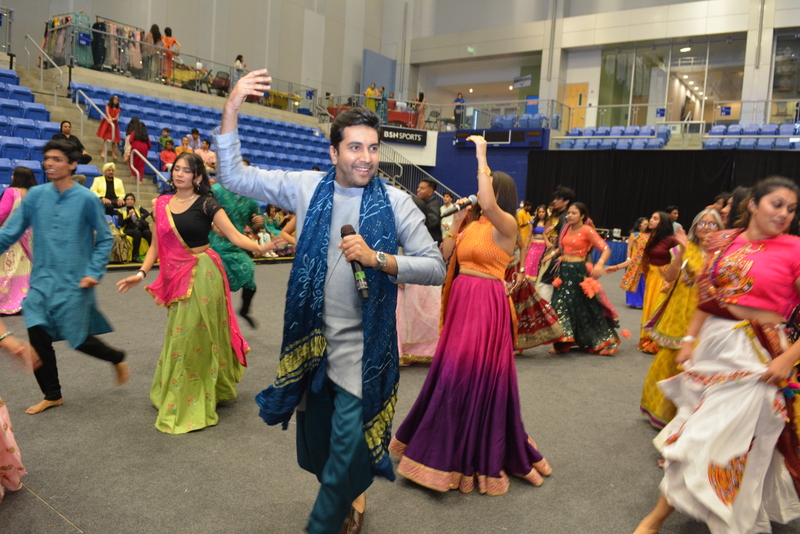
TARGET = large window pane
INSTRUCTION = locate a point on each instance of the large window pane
(724, 81)
(615, 87)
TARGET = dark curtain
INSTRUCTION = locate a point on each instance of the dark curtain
(620, 186)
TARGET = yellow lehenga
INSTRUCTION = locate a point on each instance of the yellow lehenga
(666, 326)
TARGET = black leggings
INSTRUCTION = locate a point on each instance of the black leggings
(137, 236)
(47, 373)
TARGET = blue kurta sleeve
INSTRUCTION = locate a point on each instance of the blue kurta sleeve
(15, 226)
(103, 241)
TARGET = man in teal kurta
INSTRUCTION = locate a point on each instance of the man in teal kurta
(71, 248)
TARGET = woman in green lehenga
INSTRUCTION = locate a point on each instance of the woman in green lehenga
(203, 357)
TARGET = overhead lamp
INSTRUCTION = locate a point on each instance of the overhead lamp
(686, 49)
(700, 93)
(685, 76)
(695, 88)
(510, 87)
(691, 83)
(705, 98)
(470, 89)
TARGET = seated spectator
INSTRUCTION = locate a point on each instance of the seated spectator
(109, 189)
(134, 225)
(66, 135)
(194, 142)
(392, 101)
(168, 156)
(162, 141)
(273, 220)
(184, 147)
(209, 157)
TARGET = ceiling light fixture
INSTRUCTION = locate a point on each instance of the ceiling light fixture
(700, 93)
(470, 89)
(510, 87)
(691, 83)
(685, 76)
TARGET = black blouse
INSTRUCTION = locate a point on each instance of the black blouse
(194, 224)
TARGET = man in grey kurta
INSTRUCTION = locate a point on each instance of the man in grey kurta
(354, 152)
(71, 247)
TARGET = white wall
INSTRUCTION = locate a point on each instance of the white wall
(584, 66)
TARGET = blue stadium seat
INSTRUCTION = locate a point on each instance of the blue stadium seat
(19, 92)
(608, 144)
(85, 87)
(623, 144)
(92, 113)
(617, 130)
(11, 108)
(510, 121)
(25, 128)
(6, 168)
(577, 131)
(631, 130)
(34, 147)
(752, 129)
(589, 131)
(580, 144)
(526, 121)
(538, 121)
(46, 130)
(37, 112)
(718, 129)
(765, 143)
(35, 166)
(769, 129)
(663, 132)
(730, 142)
(90, 171)
(748, 143)
(5, 125)
(13, 148)
(712, 144)
(567, 143)
(735, 129)
(639, 144)
(9, 76)
(787, 129)
(656, 143)
(784, 144)
(602, 130)
(593, 144)
(647, 130)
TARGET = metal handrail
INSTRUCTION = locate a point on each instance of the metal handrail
(136, 171)
(391, 156)
(108, 119)
(41, 68)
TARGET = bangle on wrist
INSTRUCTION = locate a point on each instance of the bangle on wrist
(522, 270)
(688, 339)
(485, 170)
(142, 272)
(6, 334)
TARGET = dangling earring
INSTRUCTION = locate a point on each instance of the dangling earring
(197, 187)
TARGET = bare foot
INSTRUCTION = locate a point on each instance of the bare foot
(43, 405)
(123, 372)
(646, 528)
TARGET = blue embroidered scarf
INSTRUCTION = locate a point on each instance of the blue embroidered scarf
(303, 353)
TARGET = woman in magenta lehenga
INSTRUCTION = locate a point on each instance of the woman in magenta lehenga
(16, 273)
(418, 322)
(465, 429)
(537, 244)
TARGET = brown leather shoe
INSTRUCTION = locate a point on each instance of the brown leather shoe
(352, 525)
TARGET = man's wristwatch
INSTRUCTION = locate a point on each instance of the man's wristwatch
(382, 259)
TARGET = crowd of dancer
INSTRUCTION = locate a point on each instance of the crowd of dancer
(716, 300)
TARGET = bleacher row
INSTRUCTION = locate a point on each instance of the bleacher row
(267, 143)
(617, 138)
(511, 121)
(753, 137)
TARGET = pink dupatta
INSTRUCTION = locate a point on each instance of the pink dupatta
(177, 266)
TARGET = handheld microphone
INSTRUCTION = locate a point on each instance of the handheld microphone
(358, 269)
(472, 199)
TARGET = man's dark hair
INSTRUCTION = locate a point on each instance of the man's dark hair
(527, 204)
(195, 131)
(357, 116)
(670, 209)
(431, 183)
(65, 147)
(565, 193)
(65, 122)
(246, 161)
(206, 141)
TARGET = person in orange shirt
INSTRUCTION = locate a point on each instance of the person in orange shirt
(184, 147)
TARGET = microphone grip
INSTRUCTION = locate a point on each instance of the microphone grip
(358, 269)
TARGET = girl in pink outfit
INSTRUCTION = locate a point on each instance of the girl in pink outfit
(16, 267)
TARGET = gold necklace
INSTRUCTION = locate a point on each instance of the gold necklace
(182, 200)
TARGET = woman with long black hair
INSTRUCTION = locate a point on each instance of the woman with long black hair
(655, 260)
(203, 357)
(465, 429)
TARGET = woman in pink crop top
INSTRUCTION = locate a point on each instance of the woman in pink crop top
(582, 318)
(465, 428)
(733, 441)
